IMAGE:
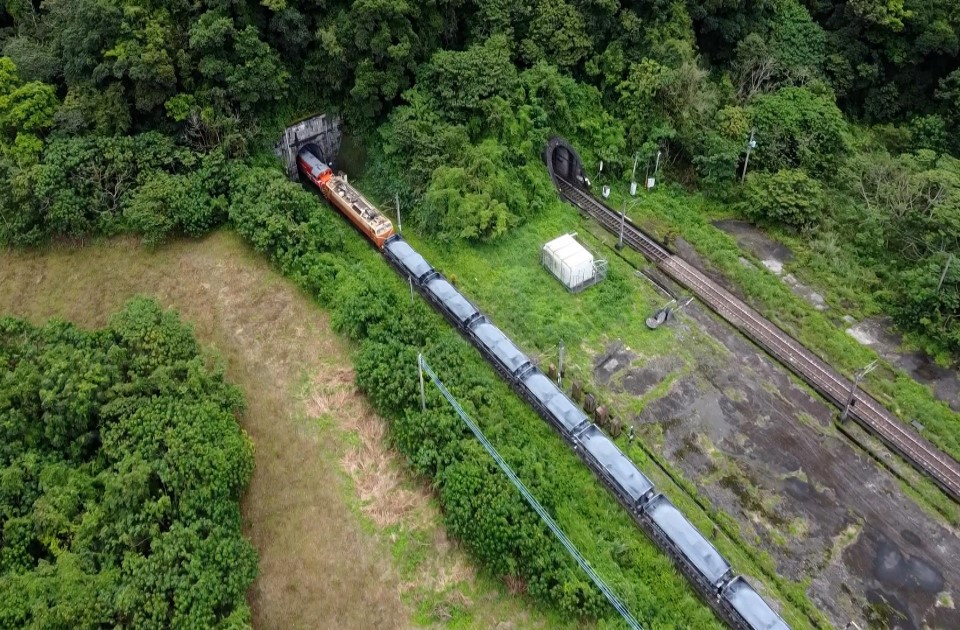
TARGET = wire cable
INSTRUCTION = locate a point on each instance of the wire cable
(597, 580)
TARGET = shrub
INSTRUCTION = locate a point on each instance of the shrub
(121, 471)
(787, 197)
(797, 128)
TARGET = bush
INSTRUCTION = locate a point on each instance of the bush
(789, 198)
(166, 204)
(927, 298)
(797, 128)
(121, 471)
(278, 217)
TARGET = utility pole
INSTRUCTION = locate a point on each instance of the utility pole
(633, 176)
(623, 218)
(751, 145)
(944, 274)
(560, 369)
(870, 367)
(396, 199)
(410, 280)
(623, 221)
(649, 182)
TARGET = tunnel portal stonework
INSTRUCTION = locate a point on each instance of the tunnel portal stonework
(322, 131)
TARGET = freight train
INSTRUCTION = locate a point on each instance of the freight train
(363, 214)
(733, 597)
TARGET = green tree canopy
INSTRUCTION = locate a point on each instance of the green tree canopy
(797, 128)
(121, 470)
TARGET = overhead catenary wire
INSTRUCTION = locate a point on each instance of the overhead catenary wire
(618, 605)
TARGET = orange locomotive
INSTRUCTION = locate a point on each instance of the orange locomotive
(346, 198)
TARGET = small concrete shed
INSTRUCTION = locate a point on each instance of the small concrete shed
(572, 263)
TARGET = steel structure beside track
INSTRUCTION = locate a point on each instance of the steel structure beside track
(867, 411)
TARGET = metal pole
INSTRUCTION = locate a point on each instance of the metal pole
(656, 166)
(870, 367)
(849, 403)
(423, 395)
(746, 161)
(410, 280)
(560, 370)
(623, 218)
(944, 274)
(396, 199)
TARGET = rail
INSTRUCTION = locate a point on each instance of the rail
(872, 415)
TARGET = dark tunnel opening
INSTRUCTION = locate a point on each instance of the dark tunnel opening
(563, 162)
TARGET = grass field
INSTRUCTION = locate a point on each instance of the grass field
(506, 279)
(347, 539)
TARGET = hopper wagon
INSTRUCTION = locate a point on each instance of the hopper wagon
(735, 600)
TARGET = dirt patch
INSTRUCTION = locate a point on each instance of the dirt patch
(763, 449)
(772, 254)
(613, 359)
(878, 334)
(815, 298)
(321, 564)
(752, 240)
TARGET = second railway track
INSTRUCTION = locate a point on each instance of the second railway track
(876, 418)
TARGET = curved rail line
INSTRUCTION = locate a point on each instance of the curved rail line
(926, 457)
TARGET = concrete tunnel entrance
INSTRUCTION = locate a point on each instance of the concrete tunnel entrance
(563, 162)
(320, 133)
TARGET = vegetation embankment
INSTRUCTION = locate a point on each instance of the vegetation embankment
(480, 507)
(328, 499)
(146, 119)
(122, 467)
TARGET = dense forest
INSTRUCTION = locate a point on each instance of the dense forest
(158, 118)
(122, 115)
(121, 470)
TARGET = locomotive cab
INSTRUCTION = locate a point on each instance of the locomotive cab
(316, 170)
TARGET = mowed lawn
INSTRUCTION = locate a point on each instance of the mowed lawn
(346, 538)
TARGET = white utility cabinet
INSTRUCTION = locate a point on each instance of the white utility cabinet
(572, 263)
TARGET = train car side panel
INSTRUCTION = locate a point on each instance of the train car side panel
(451, 300)
(500, 347)
(407, 258)
(627, 479)
(688, 542)
(565, 415)
(753, 611)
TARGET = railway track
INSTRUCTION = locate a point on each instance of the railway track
(867, 411)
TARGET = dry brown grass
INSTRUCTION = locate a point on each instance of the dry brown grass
(320, 567)
(384, 493)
